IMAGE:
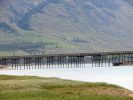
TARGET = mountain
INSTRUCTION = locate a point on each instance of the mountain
(91, 25)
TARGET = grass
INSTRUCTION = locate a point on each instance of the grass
(37, 88)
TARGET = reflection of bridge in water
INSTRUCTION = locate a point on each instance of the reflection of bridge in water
(76, 60)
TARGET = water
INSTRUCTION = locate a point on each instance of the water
(122, 75)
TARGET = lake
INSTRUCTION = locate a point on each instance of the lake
(122, 75)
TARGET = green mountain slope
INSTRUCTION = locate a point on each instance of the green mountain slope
(91, 25)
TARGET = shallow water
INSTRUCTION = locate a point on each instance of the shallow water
(122, 76)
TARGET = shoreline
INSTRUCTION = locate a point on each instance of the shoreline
(120, 76)
(5, 69)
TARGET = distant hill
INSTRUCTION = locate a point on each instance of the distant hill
(93, 25)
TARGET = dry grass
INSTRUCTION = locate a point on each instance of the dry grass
(37, 88)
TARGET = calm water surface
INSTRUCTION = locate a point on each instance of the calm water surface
(122, 76)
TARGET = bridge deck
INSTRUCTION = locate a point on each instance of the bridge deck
(72, 54)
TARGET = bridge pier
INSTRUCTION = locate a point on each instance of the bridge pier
(78, 60)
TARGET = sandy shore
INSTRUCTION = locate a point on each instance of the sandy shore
(2, 69)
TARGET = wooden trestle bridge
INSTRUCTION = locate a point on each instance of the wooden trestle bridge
(71, 60)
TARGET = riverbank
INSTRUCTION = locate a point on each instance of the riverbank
(121, 76)
(38, 88)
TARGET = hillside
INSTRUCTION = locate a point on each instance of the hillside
(36, 88)
(93, 25)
